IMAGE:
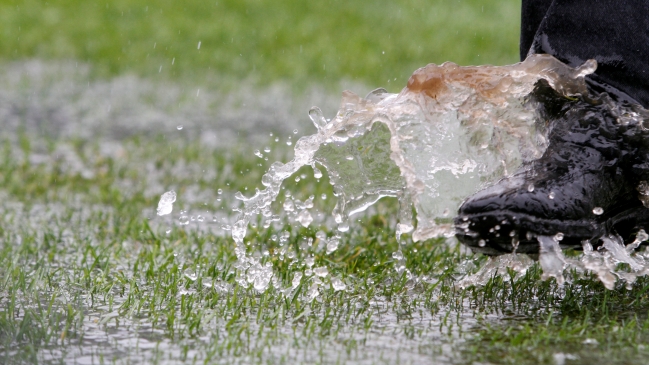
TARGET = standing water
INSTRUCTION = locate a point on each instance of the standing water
(449, 132)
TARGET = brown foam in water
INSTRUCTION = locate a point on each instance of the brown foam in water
(494, 82)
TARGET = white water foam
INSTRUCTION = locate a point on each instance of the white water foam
(612, 262)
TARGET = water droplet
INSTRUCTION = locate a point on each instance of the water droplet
(294, 131)
(397, 255)
(180, 128)
(309, 261)
(332, 245)
(317, 117)
(308, 204)
(321, 271)
(598, 211)
(313, 292)
(284, 236)
(643, 188)
(558, 237)
(183, 220)
(551, 195)
(337, 284)
(530, 188)
(165, 205)
(296, 280)
(304, 218)
(482, 243)
(317, 173)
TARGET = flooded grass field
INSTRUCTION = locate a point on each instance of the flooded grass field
(91, 274)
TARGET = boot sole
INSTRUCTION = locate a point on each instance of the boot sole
(497, 233)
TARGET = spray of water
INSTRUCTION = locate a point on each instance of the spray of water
(448, 133)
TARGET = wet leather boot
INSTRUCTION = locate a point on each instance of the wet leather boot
(586, 184)
(583, 187)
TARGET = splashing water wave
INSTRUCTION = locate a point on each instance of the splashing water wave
(451, 131)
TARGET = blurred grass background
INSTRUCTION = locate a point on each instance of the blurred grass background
(300, 42)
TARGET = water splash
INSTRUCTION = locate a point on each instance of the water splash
(498, 265)
(551, 258)
(451, 131)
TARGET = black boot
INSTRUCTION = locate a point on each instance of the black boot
(582, 188)
(585, 184)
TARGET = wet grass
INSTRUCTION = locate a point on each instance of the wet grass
(90, 274)
(85, 264)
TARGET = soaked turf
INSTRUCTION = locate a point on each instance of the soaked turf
(90, 274)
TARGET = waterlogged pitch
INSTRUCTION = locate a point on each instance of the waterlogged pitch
(119, 189)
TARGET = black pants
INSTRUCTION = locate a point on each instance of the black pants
(613, 32)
